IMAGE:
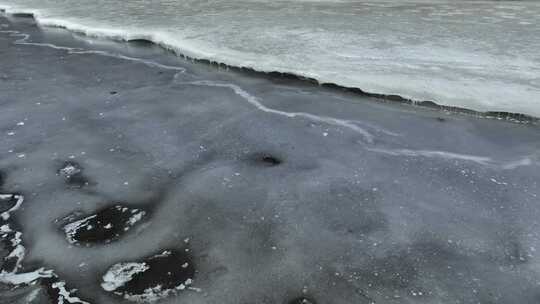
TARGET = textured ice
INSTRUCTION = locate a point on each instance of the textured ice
(479, 55)
(263, 204)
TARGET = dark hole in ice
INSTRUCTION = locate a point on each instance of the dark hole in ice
(72, 173)
(153, 278)
(105, 226)
(301, 300)
(113, 92)
(267, 160)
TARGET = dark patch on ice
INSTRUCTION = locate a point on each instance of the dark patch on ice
(72, 172)
(142, 42)
(9, 264)
(104, 226)
(113, 92)
(22, 15)
(302, 300)
(2, 179)
(7, 201)
(159, 276)
(515, 254)
(266, 159)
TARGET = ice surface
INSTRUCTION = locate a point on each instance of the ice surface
(269, 189)
(481, 55)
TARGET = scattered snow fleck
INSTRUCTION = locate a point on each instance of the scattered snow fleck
(498, 182)
(165, 253)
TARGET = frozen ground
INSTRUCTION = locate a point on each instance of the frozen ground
(481, 55)
(242, 188)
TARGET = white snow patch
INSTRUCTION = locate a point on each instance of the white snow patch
(25, 278)
(65, 295)
(6, 214)
(121, 273)
(136, 217)
(72, 228)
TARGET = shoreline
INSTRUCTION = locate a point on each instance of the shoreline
(497, 115)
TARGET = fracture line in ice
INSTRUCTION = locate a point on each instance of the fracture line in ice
(349, 124)
(70, 50)
(483, 160)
